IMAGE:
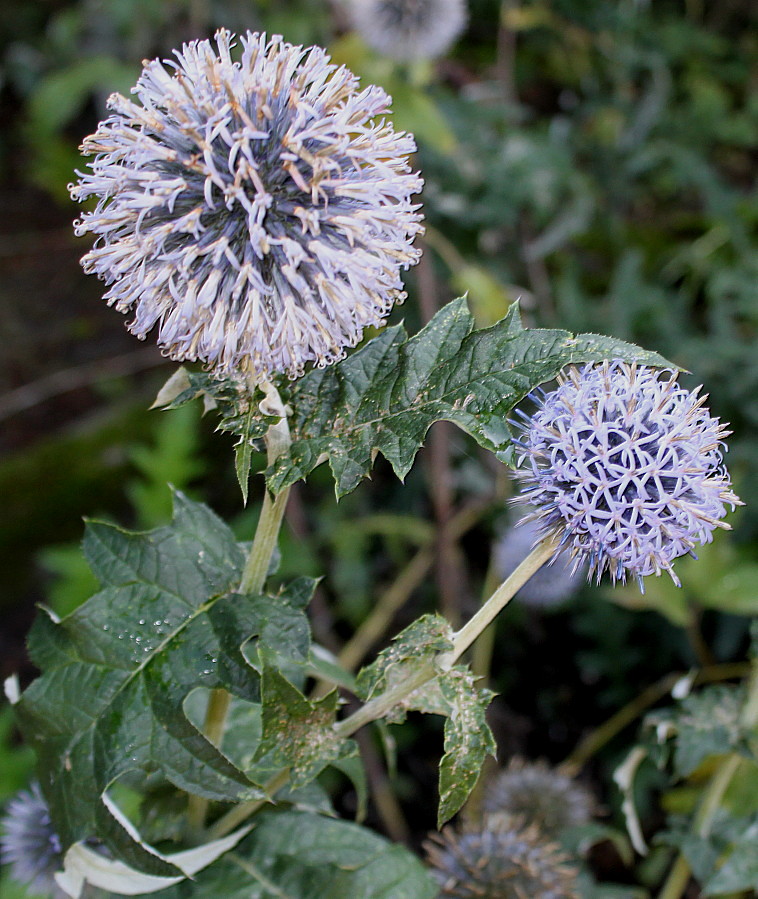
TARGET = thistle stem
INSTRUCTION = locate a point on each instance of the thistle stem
(213, 728)
(463, 638)
(254, 574)
(379, 706)
(266, 534)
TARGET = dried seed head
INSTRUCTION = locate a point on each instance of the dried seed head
(540, 795)
(500, 858)
(257, 211)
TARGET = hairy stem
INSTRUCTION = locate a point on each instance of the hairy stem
(379, 706)
(254, 574)
(544, 551)
(226, 823)
(267, 533)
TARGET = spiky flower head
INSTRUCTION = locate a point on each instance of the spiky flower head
(257, 210)
(548, 586)
(499, 858)
(624, 466)
(409, 29)
(29, 844)
(540, 795)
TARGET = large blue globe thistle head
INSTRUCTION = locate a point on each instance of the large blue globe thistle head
(624, 466)
(256, 210)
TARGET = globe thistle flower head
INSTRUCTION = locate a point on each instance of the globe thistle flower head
(624, 466)
(258, 211)
(499, 858)
(550, 585)
(539, 795)
(28, 843)
(408, 30)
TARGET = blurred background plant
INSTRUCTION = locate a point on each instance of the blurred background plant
(595, 160)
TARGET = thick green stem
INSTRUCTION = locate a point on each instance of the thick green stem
(254, 574)
(462, 639)
(267, 533)
(544, 551)
(213, 728)
(241, 812)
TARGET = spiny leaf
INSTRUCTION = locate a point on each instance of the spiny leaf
(452, 693)
(384, 397)
(117, 671)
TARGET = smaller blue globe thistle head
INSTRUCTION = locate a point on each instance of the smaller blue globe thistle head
(624, 466)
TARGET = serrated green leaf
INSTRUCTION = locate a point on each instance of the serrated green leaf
(468, 739)
(298, 733)
(117, 671)
(300, 855)
(384, 397)
(451, 693)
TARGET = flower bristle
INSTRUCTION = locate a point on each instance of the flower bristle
(258, 212)
(624, 466)
(499, 858)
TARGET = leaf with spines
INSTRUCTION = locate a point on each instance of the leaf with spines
(468, 738)
(449, 691)
(117, 671)
(385, 397)
(413, 649)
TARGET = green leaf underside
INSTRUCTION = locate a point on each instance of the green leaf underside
(116, 672)
(298, 733)
(301, 855)
(708, 723)
(452, 693)
(413, 648)
(385, 396)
